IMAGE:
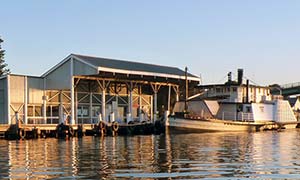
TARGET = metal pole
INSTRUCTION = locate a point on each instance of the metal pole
(177, 93)
(117, 104)
(72, 93)
(51, 114)
(72, 119)
(169, 99)
(25, 101)
(8, 100)
(91, 107)
(130, 98)
(186, 90)
(44, 102)
(151, 108)
(155, 104)
(76, 107)
(140, 102)
(61, 109)
(103, 102)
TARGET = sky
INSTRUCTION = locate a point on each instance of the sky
(210, 37)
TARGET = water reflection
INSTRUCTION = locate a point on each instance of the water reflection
(264, 155)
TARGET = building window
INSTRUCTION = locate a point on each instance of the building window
(52, 110)
(83, 111)
(38, 111)
(34, 111)
(30, 111)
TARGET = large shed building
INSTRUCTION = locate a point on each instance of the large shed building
(83, 89)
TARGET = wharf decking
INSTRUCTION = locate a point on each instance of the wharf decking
(26, 131)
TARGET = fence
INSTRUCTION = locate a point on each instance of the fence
(237, 116)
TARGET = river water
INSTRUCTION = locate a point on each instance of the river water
(259, 155)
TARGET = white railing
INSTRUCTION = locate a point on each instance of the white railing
(237, 116)
(40, 120)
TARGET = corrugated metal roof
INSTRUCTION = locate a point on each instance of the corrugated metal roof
(131, 66)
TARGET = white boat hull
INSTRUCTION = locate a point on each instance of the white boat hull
(215, 125)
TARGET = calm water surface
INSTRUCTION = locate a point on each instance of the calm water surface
(261, 155)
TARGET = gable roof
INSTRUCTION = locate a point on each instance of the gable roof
(131, 67)
(127, 67)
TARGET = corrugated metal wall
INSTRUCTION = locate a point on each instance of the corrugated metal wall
(17, 84)
(83, 69)
(3, 101)
(35, 90)
(17, 95)
(60, 78)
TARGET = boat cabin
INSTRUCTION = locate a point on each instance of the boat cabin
(236, 91)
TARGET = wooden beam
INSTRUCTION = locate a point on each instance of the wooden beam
(98, 79)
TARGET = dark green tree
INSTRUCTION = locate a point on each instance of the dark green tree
(3, 66)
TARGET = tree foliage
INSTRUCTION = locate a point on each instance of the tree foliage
(3, 66)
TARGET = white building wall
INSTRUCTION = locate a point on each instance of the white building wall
(255, 94)
(262, 112)
(240, 94)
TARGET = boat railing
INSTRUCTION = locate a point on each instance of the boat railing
(237, 116)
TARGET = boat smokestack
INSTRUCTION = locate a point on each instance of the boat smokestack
(229, 77)
(247, 91)
(240, 76)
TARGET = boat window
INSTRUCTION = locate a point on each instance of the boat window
(234, 89)
(248, 109)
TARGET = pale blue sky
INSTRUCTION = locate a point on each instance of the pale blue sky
(210, 37)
